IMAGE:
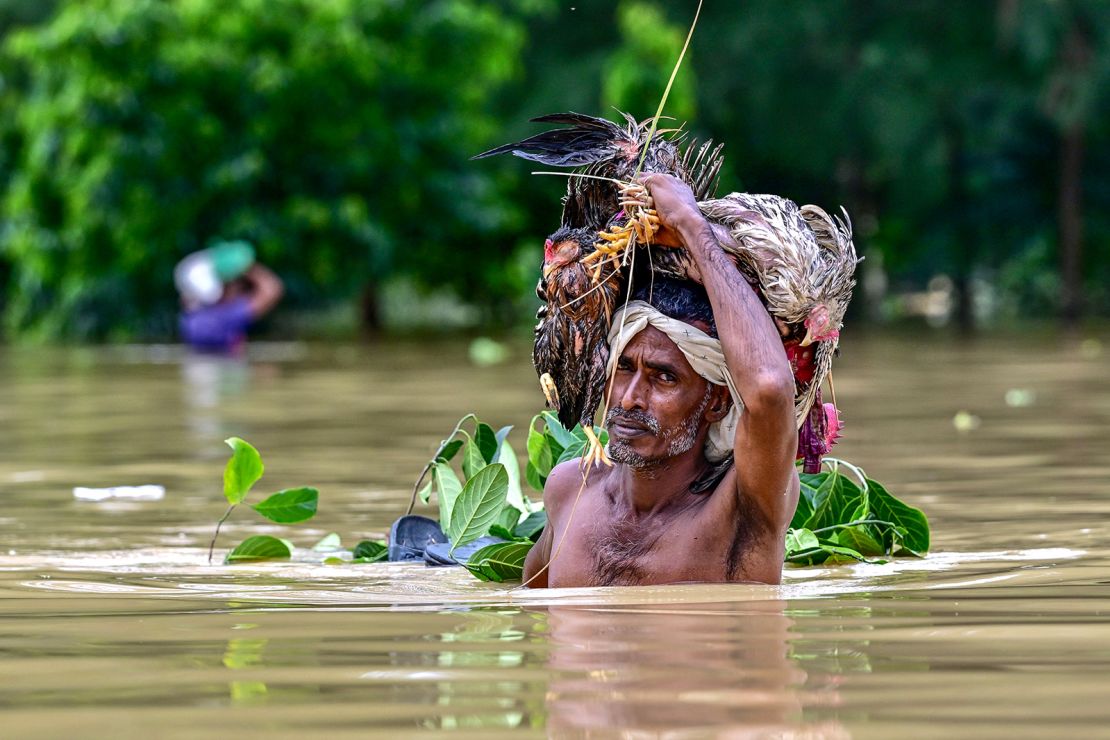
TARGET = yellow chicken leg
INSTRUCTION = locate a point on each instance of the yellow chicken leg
(595, 452)
(550, 390)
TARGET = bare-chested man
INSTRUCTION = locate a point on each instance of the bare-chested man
(650, 518)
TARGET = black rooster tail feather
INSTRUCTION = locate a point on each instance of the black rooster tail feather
(586, 141)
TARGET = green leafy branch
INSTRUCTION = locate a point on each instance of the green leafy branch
(289, 506)
(838, 519)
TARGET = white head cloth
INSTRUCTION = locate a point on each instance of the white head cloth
(702, 351)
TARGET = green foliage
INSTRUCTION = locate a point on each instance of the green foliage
(242, 471)
(838, 519)
(260, 547)
(328, 543)
(532, 526)
(638, 69)
(370, 551)
(448, 488)
(554, 445)
(499, 562)
(135, 131)
(289, 506)
(333, 134)
(478, 506)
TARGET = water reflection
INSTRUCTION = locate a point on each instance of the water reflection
(689, 667)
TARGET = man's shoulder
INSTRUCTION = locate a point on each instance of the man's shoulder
(562, 483)
(569, 480)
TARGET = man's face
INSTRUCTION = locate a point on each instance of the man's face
(659, 403)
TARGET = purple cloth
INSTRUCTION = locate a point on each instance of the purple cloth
(218, 328)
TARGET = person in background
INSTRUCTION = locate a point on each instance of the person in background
(223, 291)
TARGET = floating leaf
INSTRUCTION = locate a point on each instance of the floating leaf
(501, 562)
(449, 488)
(328, 543)
(800, 540)
(913, 521)
(478, 505)
(532, 526)
(260, 547)
(289, 506)
(486, 440)
(449, 450)
(847, 552)
(243, 470)
(859, 539)
(369, 551)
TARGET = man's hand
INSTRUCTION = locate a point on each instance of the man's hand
(676, 206)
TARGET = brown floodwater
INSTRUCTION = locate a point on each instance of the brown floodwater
(112, 624)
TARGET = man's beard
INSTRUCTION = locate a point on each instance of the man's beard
(681, 437)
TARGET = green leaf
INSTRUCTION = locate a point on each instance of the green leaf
(535, 480)
(243, 470)
(539, 455)
(576, 450)
(260, 547)
(509, 518)
(913, 521)
(334, 561)
(499, 530)
(502, 435)
(557, 431)
(501, 562)
(486, 440)
(289, 506)
(800, 540)
(835, 501)
(369, 551)
(848, 552)
(810, 482)
(449, 450)
(328, 543)
(472, 459)
(426, 492)
(448, 489)
(803, 512)
(859, 539)
(532, 526)
(515, 496)
(478, 506)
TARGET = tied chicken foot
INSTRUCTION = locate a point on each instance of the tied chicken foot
(642, 224)
(595, 452)
(550, 390)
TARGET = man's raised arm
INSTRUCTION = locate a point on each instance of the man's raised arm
(766, 437)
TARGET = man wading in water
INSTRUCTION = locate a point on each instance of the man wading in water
(675, 507)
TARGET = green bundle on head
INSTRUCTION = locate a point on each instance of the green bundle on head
(231, 259)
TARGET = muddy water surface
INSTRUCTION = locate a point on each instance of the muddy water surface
(113, 625)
